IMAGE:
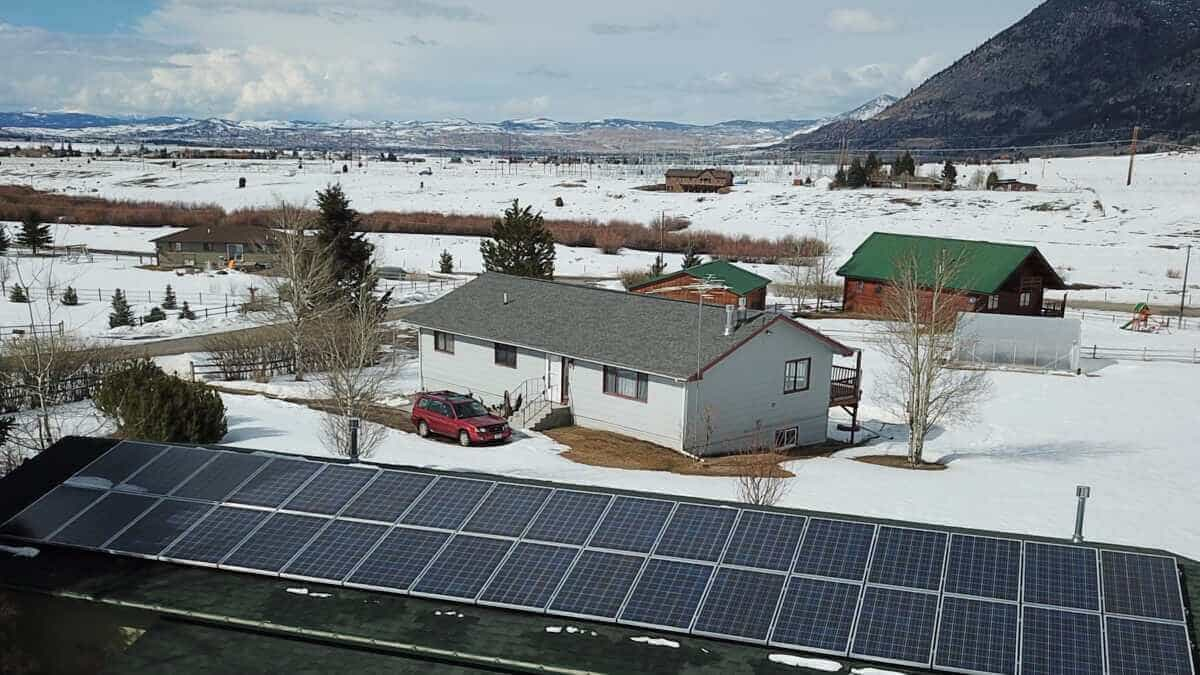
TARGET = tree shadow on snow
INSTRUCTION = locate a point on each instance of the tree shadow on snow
(238, 433)
(1069, 452)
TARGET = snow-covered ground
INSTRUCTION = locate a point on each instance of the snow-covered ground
(1084, 218)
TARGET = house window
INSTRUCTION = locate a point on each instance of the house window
(795, 375)
(208, 246)
(506, 355)
(993, 302)
(1026, 298)
(858, 286)
(177, 246)
(626, 384)
(786, 438)
(443, 342)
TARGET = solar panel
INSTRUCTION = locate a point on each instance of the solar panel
(41, 518)
(1141, 585)
(1145, 647)
(507, 510)
(386, 498)
(447, 503)
(907, 557)
(275, 543)
(331, 490)
(978, 636)
(597, 585)
(119, 463)
(569, 517)
(667, 594)
(697, 532)
(221, 476)
(816, 614)
(463, 567)
(740, 604)
(167, 470)
(211, 538)
(1061, 642)
(896, 625)
(336, 550)
(1063, 576)
(984, 566)
(103, 519)
(632, 524)
(276, 482)
(839, 549)
(159, 527)
(529, 577)
(399, 559)
(764, 540)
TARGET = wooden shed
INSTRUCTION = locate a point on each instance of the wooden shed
(738, 284)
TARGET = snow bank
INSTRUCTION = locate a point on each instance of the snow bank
(824, 665)
(20, 551)
(655, 642)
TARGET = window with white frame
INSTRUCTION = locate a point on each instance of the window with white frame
(443, 342)
(1026, 298)
(795, 375)
(786, 438)
(626, 384)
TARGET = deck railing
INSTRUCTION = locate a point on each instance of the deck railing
(844, 385)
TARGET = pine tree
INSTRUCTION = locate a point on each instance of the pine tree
(690, 259)
(186, 312)
(992, 179)
(337, 233)
(18, 294)
(856, 177)
(34, 234)
(446, 262)
(156, 314)
(122, 313)
(169, 301)
(873, 164)
(839, 178)
(949, 175)
(4, 241)
(658, 266)
(520, 245)
(904, 165)
(70, 297)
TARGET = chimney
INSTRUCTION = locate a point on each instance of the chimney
(743, 313)
(353, 439)
(730, 320)
(506, 298)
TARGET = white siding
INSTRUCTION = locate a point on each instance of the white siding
(658, 420)
(472, 368)
(742, 396)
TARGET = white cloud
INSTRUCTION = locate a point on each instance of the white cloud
(923, 68)
(526, 107)
(859, 21)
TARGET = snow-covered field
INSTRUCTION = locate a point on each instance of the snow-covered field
(1086, 221)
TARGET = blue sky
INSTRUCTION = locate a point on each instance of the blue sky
(433, 59)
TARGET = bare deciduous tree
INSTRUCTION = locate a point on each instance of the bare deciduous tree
(809, 265)
(761, 482)
(305, 285)
(920, 309)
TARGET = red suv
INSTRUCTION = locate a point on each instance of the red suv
(446, 413)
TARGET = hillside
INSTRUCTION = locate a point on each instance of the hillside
(1071, 70)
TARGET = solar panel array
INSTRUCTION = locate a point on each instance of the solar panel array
(919, 597)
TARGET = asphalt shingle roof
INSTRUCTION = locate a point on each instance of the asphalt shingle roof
(224, 233)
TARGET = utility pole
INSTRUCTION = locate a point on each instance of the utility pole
(1183, 293)
(1132, 154)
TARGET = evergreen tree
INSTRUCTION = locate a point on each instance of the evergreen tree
(904, 165)
(520, 245)
(156, 314)
(949, 175)
(34, 234)
(690, 259)
(186, 312)
(70, 297)
(122, 313)
(873, 164)
(839, 178)
(4, 241)
(658, 266)
(147, 403)
(169, 301)
(337, 233)
(992, 179)
(856, 177)
(446, 262)
(18, 294)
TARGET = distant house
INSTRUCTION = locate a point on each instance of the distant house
(1013, 185)
(738, 285)
(905, 182)
(699, 180)
(996, 278)
(216, 245)
(702, 382)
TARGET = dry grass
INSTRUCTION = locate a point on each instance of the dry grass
(900, 462)
(602, 448)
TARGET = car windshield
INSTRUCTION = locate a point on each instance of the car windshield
(464, 409)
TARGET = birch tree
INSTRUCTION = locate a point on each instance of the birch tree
(305, 284)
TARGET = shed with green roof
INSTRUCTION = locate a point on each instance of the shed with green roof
(733, 283)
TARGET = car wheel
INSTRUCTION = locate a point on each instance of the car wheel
(464, 439)
(422, 429)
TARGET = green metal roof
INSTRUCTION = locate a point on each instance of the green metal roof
(986, 264)
(740, 281)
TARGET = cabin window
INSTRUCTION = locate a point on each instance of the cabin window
(506, 355)
(795, 375)
(1026, 298)
(993, 302)
(208, 246)
(177, 246)
(786, 438)
(626, 384)
(443, 342)
(858, 286)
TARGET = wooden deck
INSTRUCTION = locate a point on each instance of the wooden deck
(845, 386)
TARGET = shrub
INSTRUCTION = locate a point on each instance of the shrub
(1174, 274)
(70, 297)
(18, 294)
(148, 404)
(446, 262)
(631, 278)
(156, 314)
(609, 241)
(186, 313)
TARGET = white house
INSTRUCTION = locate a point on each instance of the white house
(701, 380)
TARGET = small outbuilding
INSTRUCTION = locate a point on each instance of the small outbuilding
(731, 285)
(217, 245)
(699, 180)
(1013, 185)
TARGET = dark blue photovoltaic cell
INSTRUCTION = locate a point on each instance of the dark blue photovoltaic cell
(911, 558)
(221, 476)
(896, 625)
(697, 532)
(40, 519)
(1064, 576)
(740, 604)
(766, 540)
(817, 614)
(597, 584)
(1141, 585)
(167, 471)
(667, 594)
(275, 483)
(984, 567)
(1144, 647)
(330, 491)
(447, 503)
(631, 524)
(835, 548)
(386, 498)
(120, 462)
(463, 567)
(336, 550)
(159, 527)
(977, 635)
(530, 575)
(569, 517)
(274, 544)
(103, 519)
(507, 510)
(400, 558)
(210, 539)
(1060, 642)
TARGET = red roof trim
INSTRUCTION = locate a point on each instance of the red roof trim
(837, 347)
